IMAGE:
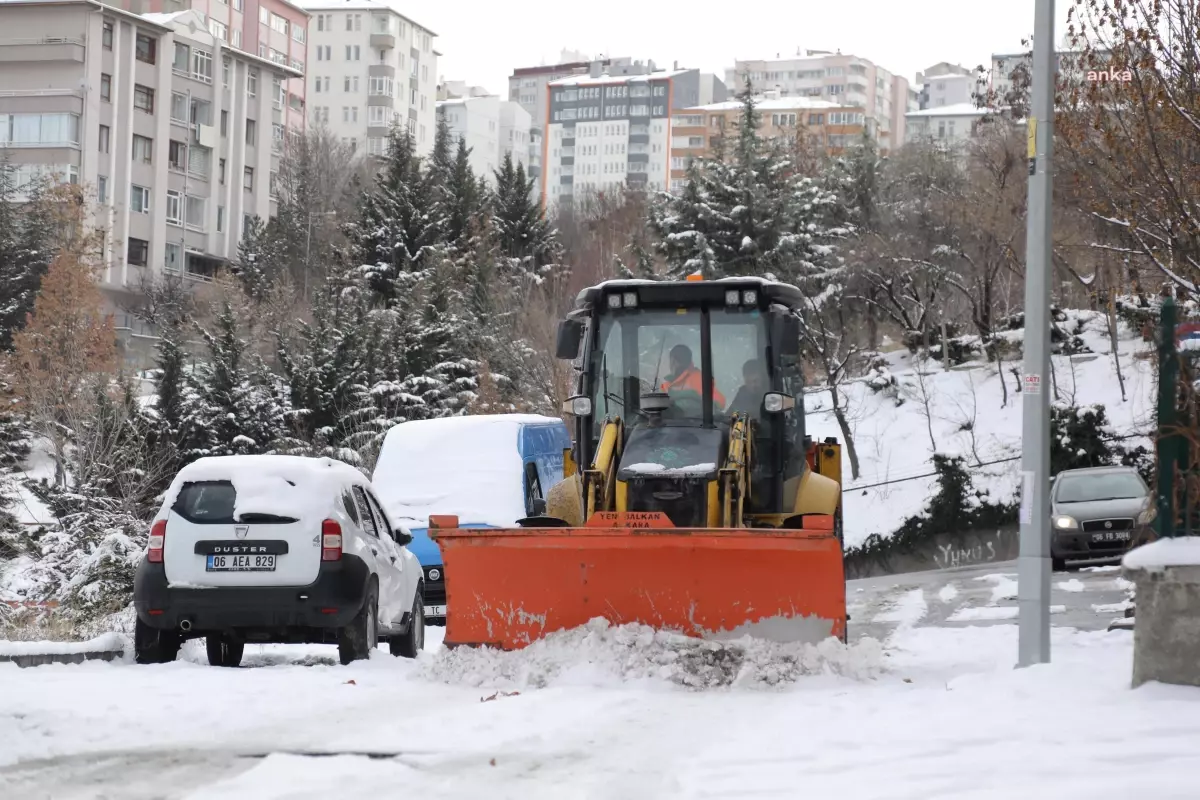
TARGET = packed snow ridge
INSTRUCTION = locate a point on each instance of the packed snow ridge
(600, 653)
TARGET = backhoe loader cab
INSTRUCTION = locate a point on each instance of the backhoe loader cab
(683, 367)
(692, 499)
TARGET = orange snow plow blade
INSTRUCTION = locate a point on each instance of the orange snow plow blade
(509, 587)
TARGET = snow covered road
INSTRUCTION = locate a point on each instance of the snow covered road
(938, 711)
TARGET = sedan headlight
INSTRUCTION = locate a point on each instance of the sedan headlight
(1063, 522)
(1147, 516)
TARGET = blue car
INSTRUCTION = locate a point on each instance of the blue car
(489, 470)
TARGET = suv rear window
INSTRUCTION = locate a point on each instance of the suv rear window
(212, 503)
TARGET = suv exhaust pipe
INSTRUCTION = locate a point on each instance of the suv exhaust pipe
(185, 625)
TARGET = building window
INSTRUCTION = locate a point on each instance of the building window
(219, 30)
(143, 98)
(137, 252)
(143, 149)
(105, 136)
(264, 16)
(224, 123)
(279, 24)
(251, 131)
(225, 70)
(179, 107)
(248, 179)
(299, 34)
(183, 57)
(381, 85)
(139, 199)
(376, 115)
(195, 210)
(172, 257)
(101, 189)
(202, 66)
(220, 219)
(106, 87)
(221, 170)
(106, 37)
(236, 40)
(252, 83)
(320, 22)
(174, 208)
(177, 156)
(146, 48)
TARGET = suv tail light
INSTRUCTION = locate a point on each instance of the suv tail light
(331, 541)
(158, 537)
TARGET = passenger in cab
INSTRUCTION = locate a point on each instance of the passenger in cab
(685, 377)
(755, 384)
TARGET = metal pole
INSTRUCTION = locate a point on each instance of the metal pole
(1034, 565)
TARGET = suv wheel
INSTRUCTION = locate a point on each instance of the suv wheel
(154, 646)
(413, 640)
(359, 638)
(223, 651)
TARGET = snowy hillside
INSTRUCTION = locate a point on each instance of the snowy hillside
(893, 440)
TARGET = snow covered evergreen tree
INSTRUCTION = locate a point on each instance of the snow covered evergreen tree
(403, 221)
(525, 235)
(748, 212)
(26, 230)
(235, 406)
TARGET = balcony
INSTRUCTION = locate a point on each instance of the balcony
(381, 71)
(383, 41)
(47, 48)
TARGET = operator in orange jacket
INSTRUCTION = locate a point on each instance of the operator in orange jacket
(687, 377)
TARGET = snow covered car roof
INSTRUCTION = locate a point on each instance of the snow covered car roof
(288, 486)
(470, 466)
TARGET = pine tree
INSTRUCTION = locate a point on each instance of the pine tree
(26, 231)
(259, 259)
(465, 199)
(402, 219)
(524, 234)
(234, 406)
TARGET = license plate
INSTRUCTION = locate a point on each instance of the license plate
(241, 563)
(1111, 536)
(435, 611)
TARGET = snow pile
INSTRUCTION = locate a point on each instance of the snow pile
(1179, 551)
(663, 471)
(600, 653)
(105, 643)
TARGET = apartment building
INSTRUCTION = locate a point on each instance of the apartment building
(844, 79)
(605, 130)
(946, 84)
(529, 85)
(369, 67)
(176, 136)
(950, 125)
(516, 136)
(826, 127)
(280, 34)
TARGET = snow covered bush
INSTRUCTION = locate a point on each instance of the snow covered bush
(1080, 436)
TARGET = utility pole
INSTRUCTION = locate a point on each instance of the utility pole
(1034, 565)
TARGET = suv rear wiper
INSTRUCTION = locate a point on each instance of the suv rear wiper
(254, 516)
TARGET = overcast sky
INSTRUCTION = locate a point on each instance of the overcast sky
(481, 41)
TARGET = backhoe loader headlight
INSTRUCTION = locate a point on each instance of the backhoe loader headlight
(579, 406)
(732, 297)
(750, 297)
(630, 299)
(614, 301)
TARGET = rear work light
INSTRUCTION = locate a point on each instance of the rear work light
(158, 537)
(331, 541)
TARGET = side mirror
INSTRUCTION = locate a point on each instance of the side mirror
(402, 536)
(579, 406)
(539, 507)
(570, 334)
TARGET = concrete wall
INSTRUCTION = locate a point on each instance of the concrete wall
(959, 549)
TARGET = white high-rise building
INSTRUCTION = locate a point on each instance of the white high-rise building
(490, 128)
(946, 84)
(368, 67)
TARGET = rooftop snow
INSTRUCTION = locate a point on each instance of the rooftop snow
(164, 19)
(953, 110)
(359, 5)
(773, 104)
(588, 80)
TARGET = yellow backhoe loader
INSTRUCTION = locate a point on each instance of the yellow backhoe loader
(702, 506)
